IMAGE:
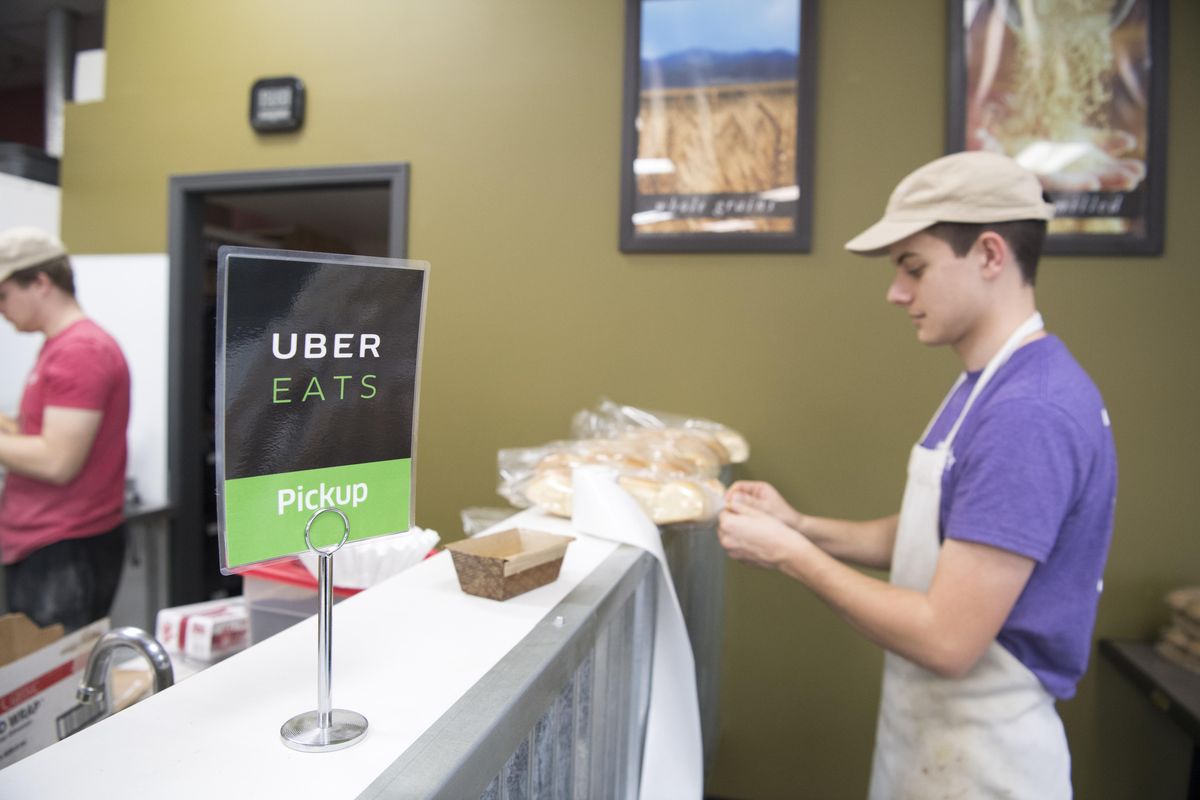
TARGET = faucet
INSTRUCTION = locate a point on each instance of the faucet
(96, 674)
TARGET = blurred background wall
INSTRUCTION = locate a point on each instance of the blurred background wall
(510, 116)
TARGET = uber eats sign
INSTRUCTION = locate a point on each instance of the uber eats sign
(318, 358)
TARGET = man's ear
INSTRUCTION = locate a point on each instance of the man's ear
(996, 254)
(42, 281)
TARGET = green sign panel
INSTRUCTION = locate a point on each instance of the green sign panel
(317, 381)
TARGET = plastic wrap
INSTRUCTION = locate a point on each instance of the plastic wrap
(672, 478)
(609, 420)
(477, 519)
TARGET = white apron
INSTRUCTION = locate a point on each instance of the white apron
(992, 733)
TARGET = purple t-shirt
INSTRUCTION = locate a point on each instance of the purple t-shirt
(1033, 470)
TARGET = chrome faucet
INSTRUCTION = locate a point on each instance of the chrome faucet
(96, 674)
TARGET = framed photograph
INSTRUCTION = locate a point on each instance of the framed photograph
(717, 144)
(1076, 91)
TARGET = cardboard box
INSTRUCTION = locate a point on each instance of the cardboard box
(206, 631)
(40, 670)
(215, 635)
(508, 563)
(130, 681)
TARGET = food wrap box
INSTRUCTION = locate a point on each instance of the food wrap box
(206, 631)
(40, 670)
(508, 563)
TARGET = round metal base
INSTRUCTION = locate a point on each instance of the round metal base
(303, 732)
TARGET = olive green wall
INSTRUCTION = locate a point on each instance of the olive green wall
(510, 114)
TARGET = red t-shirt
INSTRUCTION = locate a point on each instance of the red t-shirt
(80, 367)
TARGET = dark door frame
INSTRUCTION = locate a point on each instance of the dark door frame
(185, 386)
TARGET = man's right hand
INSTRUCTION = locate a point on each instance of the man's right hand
(9, 425)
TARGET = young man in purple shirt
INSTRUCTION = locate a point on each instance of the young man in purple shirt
(997, 555)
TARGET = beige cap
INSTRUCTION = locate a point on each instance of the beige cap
(26, 247)
(973, 186)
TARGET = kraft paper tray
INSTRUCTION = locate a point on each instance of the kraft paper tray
(508, 563)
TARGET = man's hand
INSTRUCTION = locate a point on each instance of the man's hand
(9, 425)
(58, 453)
(754, 536)
(762, 496)
(865, 543)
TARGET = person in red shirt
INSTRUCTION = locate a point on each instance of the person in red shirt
(62, 532)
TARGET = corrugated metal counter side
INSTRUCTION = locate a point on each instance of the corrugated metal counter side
(562, 715)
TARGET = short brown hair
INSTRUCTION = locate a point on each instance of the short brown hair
(58, 270)
(1024, 236)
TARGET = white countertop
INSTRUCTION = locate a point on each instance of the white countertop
(403, 653)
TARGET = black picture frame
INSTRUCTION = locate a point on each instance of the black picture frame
(1085, 107)
(749, 189)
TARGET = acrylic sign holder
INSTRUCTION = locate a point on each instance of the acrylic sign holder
(327, 728)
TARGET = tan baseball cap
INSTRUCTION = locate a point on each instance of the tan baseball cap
(26, 247)
(973, 186)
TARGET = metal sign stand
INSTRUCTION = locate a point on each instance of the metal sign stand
(327, 728)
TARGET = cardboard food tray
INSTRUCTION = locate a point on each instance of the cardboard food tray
(508, 563)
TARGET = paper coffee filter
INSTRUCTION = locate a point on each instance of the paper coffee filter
(362, 564)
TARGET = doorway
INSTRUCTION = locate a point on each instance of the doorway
(358, 210)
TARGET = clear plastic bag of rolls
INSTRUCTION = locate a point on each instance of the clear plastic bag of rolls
(665, 500)
(610, 420)
(673, 480)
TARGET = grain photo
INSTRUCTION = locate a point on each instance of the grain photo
(717, 117)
